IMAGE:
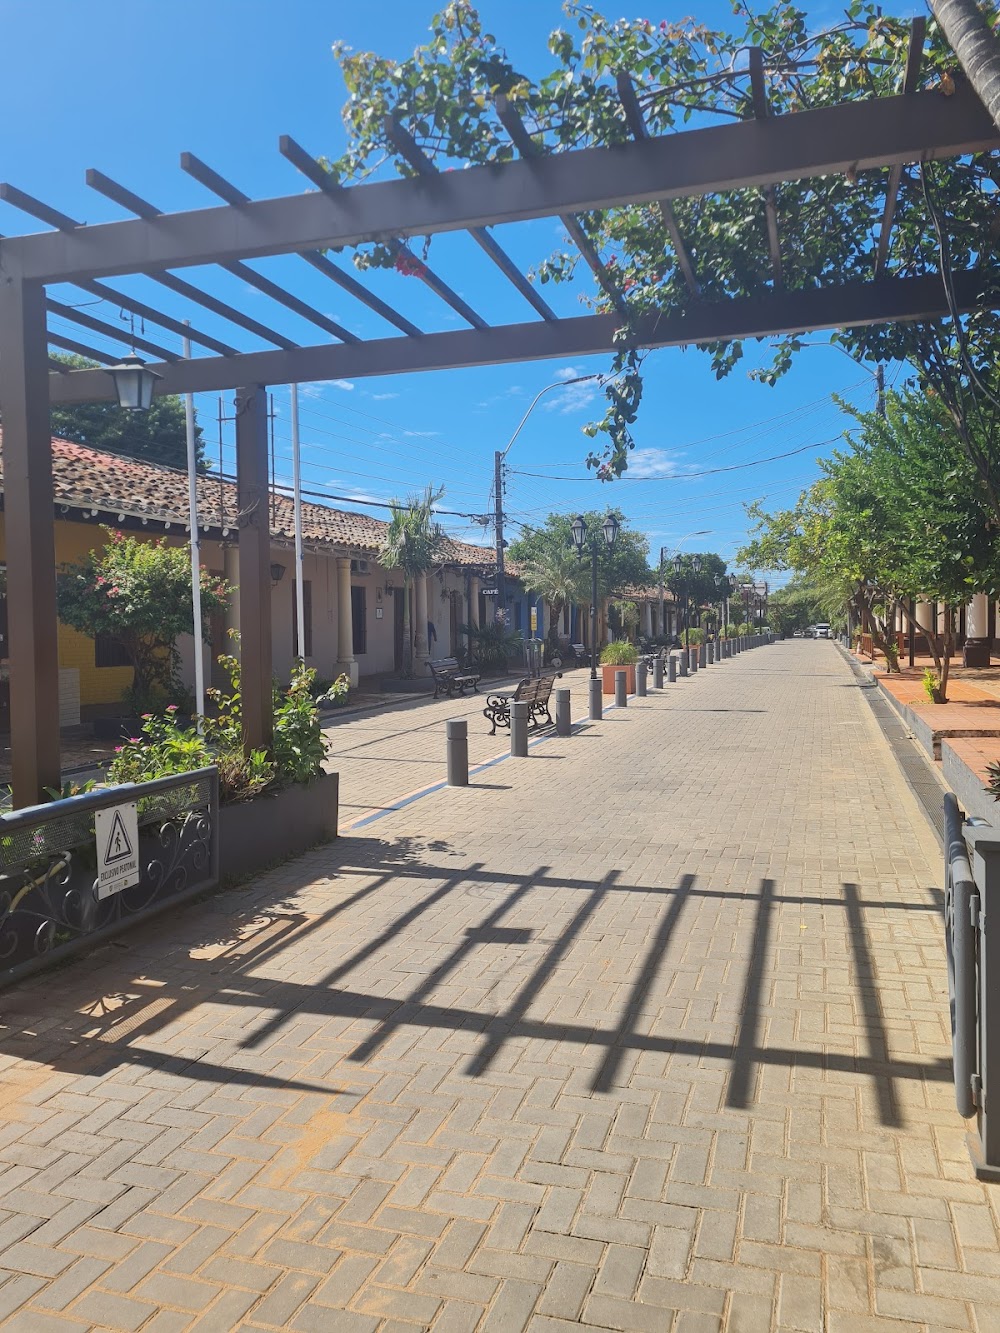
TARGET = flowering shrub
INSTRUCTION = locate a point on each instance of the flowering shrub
(165, 747)
(334, 694)
(139, 593)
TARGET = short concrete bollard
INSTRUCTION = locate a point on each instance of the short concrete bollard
(595, 691)
(621, 689)
(518, 729)
(457, 729)
(692, 656)
(657, 673)
(640, 680)
(703, 654)
(710, 659)
(564, 723)
(684, 665)
(671, 669)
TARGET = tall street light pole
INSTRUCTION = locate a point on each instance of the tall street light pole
(681, 572)
(498, 458)
(582, 539)
(702, 532)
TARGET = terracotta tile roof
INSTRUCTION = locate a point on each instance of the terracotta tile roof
(90, 478)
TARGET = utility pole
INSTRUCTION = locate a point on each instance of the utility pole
(501, 613)
(880, 389)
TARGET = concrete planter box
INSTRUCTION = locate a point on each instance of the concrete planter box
(254, 834)
(608, 677)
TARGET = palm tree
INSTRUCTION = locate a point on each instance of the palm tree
(412, 543)
(555, 575)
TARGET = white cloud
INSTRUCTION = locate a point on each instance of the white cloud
(568, 372)
(421, 434)
(346, 385)
(656, 463)
(572, 398)
(384, 397)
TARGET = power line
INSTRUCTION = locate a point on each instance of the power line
(705, 472)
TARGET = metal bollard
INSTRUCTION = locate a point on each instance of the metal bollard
(518, 729)
(710, 658)
(671, 669)
(457, 729)
(596, 692)
(657, 673)
(703, 654)
(621, 689)
(640, 680)
(692, 654)
(684, 664)
(984, 1146)
(563, 721)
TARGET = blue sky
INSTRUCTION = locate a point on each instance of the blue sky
(128, 87)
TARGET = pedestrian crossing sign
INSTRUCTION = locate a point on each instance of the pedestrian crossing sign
(117, 832)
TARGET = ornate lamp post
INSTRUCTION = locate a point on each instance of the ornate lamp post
(679, 570)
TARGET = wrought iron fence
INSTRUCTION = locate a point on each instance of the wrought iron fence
(961, 916)
(53, 901)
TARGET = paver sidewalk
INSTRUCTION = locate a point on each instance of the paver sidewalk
(647, 1031)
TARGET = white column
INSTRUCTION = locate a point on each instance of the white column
(474, 602)
(977, 617)
(346, 665)
(647, 619)
(925, 616)
(420, 620)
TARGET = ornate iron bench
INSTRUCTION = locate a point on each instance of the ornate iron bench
(534, 693)
(449, 677)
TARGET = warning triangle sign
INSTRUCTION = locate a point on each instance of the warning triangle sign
(119, 848)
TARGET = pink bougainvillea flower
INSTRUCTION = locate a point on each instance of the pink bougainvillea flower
(171, 708)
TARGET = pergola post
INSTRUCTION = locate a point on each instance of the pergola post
(255, 566)
(31, 573)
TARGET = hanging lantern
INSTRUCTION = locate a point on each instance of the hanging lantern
(134, 383)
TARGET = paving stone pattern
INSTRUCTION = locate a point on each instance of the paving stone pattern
(647, 1031)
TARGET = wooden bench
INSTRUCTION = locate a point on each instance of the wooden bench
(449, 677)
(534, 693)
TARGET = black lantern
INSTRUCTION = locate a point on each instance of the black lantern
(696, 563)
(579, 530)
(134, 383)
(610, 529)
(678, 563)
(277, 572)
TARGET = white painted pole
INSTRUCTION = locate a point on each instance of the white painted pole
(300, 617)
(192, 463)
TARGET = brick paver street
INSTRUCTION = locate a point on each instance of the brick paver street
(647, 1031)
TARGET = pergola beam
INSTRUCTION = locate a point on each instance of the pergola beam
(225, 190)
(770, 315)
(408, 148)
(148, 212)
(762, 112)
(118, 334)
(511, 120)
(854, 136)
(638, 129)
(911, 77)
(310, 168)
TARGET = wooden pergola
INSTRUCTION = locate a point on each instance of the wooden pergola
(761, 153)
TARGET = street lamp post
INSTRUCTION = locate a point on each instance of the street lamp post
(679, 570)
(702, 532)
(581, 540)
(498, 515)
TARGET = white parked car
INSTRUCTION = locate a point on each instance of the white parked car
(821, 632)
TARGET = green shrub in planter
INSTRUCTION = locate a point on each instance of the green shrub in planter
(619, 653)
(693, 636)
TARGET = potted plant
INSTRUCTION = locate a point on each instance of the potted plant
(617, 655)
(274, 804)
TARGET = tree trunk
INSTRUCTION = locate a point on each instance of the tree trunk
(976, 46)
(948, 646)
(407, 639)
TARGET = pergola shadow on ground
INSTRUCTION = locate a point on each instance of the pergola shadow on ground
(755, 154)
(123, 1025)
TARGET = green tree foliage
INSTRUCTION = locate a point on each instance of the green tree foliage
(553, 573)
(412, 543)
(158, 436)
(798, 604)
(139, 593)
(624, 567)
(896, 516)
(701, 588)
(684, 72)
